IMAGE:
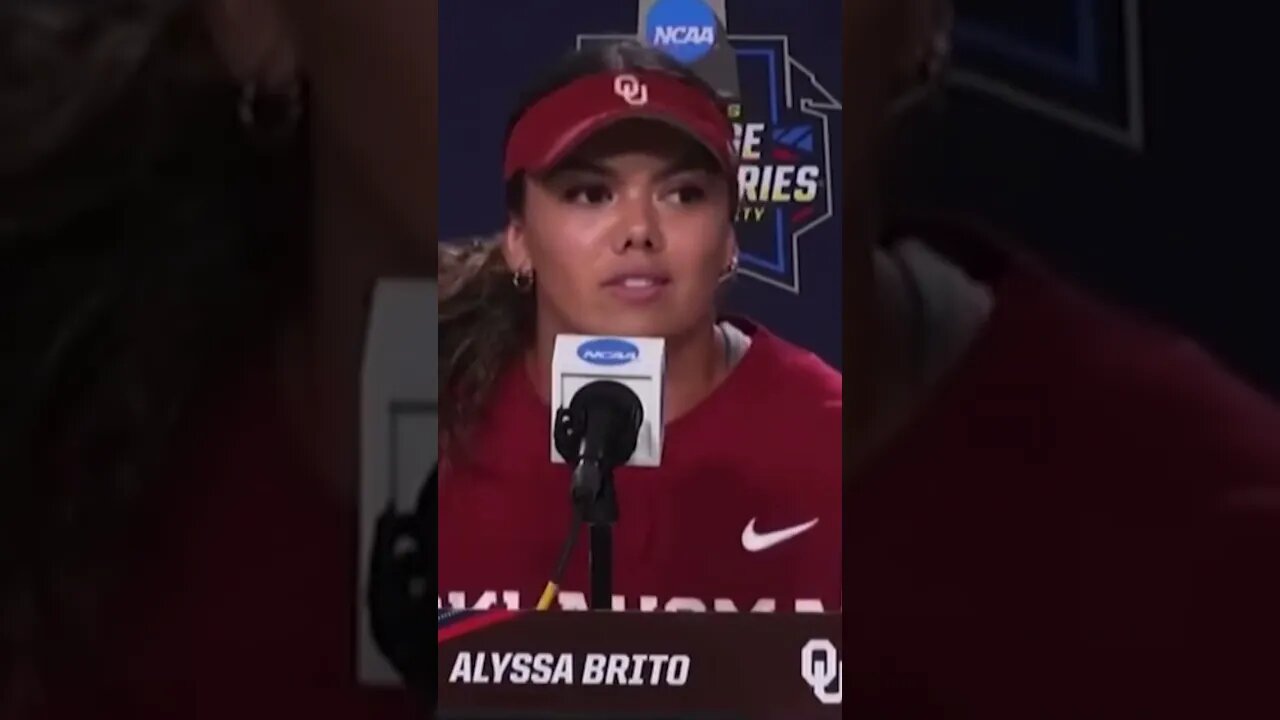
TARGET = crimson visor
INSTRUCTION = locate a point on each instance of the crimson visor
(553, 126)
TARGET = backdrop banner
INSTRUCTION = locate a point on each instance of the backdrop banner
(780, 72)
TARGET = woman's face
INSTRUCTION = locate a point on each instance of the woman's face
(371, 71)
(631, 235)
(372, 65)
(887, 45)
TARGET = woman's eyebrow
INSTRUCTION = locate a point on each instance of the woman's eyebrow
(579, 165)
(694, 160)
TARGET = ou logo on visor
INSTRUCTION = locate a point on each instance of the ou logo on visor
(821, 668)
(631, 90)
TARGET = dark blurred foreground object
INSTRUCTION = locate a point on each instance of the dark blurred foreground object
(1170, 222)
(402, 574)
(1079, 521)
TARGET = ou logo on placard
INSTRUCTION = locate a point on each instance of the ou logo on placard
(630, 89)
(821, 667)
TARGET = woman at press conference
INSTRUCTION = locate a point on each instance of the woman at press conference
(621, 185)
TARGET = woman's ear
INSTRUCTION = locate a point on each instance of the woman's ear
(923, 53)
(928, 44)
(938, 39)
(731, 249)
(254, 41)
(515, 246)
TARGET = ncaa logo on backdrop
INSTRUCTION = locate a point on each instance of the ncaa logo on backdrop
(685, 29)
(783, 137)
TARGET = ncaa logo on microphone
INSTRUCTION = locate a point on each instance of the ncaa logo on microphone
(685, 29)
(608, 351)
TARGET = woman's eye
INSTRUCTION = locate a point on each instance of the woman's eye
(688, 194)
(588, 194)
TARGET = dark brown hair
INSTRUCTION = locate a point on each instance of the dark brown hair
(143, 243)
(485, 321)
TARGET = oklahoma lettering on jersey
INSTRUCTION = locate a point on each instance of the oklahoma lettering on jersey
(573, 600)
(743, 514)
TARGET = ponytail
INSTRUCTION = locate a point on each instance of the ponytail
(485, 323)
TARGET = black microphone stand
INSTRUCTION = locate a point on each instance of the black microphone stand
(598, 432)
(595, 503)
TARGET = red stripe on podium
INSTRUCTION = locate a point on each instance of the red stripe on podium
(472, 624)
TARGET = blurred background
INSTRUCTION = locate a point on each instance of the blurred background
(1109, 136)
(1088, 129)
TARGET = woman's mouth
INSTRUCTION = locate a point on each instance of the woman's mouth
(637, 289)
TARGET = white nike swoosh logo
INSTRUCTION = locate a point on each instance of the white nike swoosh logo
(755, 542)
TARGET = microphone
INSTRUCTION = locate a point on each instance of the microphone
(622, 373)
(607, 395)
(597, 432)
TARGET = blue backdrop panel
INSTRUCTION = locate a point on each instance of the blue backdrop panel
(1077, 62)
(789, 228)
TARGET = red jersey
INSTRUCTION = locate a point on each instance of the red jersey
(743, 513)
(1084, 522)
(242, 602)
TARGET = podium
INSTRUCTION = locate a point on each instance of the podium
(638, 665)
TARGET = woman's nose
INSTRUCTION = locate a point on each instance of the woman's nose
(640, 223)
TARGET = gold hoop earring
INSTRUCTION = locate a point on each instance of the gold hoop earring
(270, 117)
(730, 270)
(522, 280)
